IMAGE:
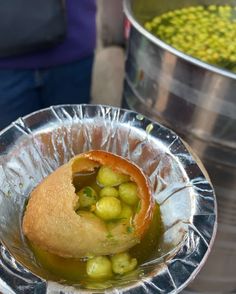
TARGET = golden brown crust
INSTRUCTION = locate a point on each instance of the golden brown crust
(51, 222)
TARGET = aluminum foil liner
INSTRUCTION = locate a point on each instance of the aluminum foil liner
(34, 146)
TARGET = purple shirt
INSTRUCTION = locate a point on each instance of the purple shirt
(79, 42)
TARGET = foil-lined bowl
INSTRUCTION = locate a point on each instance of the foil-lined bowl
(34, 146)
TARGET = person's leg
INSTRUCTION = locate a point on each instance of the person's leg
(18, 95)
(68, 84)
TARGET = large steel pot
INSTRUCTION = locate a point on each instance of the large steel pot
(173, 86)
(198, 101)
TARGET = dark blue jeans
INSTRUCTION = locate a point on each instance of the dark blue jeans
(25, 91)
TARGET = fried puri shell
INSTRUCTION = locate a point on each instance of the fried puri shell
(50, 220)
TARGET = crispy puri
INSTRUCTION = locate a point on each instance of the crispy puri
(51, 222)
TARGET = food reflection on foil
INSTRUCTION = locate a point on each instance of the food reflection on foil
(34, 147)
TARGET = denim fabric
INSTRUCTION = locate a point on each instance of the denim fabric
(25, 91)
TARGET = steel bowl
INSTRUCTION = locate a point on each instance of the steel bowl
(179, 90)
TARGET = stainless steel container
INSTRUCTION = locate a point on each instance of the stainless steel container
(198, 101)
(175, 87)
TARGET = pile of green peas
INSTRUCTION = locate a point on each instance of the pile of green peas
(101, 267)
(116, 200)
(204, 32)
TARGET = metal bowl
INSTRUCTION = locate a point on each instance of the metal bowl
(178, 89)
(185, 195)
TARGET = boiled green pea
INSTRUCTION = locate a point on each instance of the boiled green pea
(87, 197)
(108, 208)
(99, 267)
(108, 177)
(109, 191)
(126, 212)
(123, 263)
(129, 193)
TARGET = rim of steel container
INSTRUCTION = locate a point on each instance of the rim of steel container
(165, 46)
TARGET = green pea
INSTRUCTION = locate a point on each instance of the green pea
(99, 267)
(87, 197)
(123, 263)
(126, 212)
(107, 177)
(148, 26)
(108, 208)
(129, 193)
(109, 191)
(212, 7)
(233, 58)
